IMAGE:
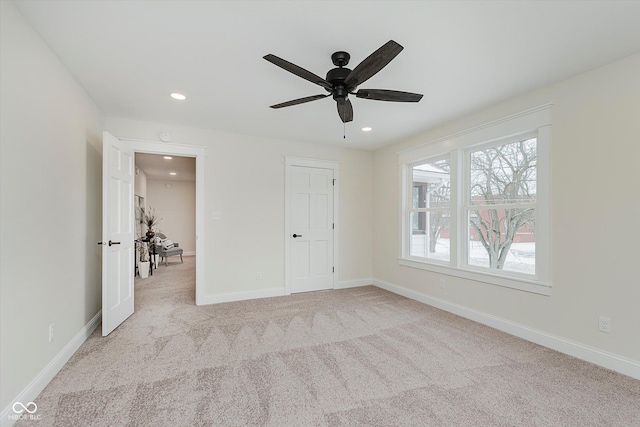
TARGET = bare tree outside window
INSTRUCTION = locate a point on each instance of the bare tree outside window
(502, 202)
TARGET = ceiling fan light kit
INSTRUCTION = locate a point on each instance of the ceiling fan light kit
(341, 82)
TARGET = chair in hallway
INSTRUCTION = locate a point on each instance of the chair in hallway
(166, 248)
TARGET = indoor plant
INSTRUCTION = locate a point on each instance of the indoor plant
(150, 219)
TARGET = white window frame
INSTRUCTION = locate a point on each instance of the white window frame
(535, 122)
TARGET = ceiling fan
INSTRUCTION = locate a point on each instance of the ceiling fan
(341, 82)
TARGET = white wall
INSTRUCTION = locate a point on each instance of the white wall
(139, 189)
(140, 183)
(244, 180)
(51, 187)
(595, 208)
(176, 205)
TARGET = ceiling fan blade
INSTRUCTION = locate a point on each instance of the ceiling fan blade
(298, 71)
(388, 95)
(299, 101)
(345, 111)
(372, 64)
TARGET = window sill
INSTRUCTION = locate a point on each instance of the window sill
(522, 284)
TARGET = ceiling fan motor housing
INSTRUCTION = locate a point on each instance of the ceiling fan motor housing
(336, 77)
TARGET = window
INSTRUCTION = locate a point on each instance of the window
(500, 206)
(475, 204)
(430, 214)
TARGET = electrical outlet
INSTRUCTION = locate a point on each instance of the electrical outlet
(51, 328)
(442, 284)
(259, 275)
(604, 324)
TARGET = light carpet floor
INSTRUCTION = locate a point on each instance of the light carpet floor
(354, 357)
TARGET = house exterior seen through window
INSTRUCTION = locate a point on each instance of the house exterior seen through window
(430, 210)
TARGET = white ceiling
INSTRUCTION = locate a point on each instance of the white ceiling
(155, 166)
(462, 55)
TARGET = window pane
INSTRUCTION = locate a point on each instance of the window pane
(430, 235)
(503, 239)
(504, 174)
(418, 222)
(431, 185)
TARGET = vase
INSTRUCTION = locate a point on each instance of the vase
(143, 269)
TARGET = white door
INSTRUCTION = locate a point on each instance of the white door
(311, 229)
(118, 248)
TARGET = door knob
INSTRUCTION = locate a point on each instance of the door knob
(110, 243)
(297, 235)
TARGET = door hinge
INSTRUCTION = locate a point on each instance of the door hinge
(333, 269)
(334, 181)
(333, 226)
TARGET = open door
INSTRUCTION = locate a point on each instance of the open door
(118, 248)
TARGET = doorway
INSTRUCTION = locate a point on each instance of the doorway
(118, 222)
(192, 151)
(165, 188)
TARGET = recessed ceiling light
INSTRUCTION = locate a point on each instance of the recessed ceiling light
(178, 96)
(172, 173)
(366, 129)
(168, 157)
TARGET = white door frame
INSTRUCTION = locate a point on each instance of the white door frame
(185, 150)
(312, 163)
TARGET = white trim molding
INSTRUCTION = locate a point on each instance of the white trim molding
(355, 283)
(275, 292)
(35, 387)
(518, 123)
(536, 287)
(243, 295)
(596, 356)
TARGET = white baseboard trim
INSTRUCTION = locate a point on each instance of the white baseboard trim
(272, 292)
(590, 354)
(353, 283)
(45, 376)
(189, 253)
(241, 296)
